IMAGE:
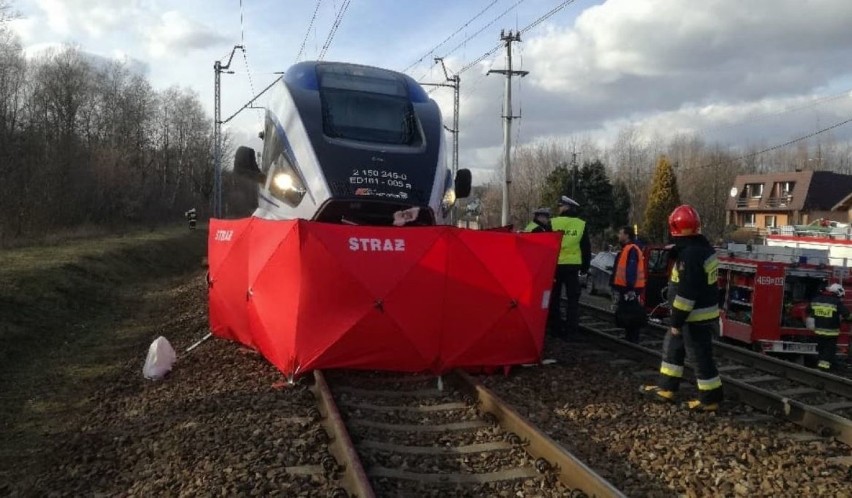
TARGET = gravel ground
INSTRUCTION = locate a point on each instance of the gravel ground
(650, 449)
(220, 424)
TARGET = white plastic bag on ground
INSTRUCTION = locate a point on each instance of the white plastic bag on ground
(161, 357)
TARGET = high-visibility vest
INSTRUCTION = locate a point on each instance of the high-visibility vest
(572, 233)
(530, 226)
(621, 271)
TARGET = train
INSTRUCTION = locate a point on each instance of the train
(352, 144)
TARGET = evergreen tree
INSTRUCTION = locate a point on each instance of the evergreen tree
(620, 204)
(663, 199)
(556, 184)
(595, 196)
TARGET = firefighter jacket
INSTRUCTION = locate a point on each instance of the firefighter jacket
(693, 288)
(629, 269)
(535, 227)
(827, 311)
(576, 249)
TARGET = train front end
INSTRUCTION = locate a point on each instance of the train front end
(346, 143)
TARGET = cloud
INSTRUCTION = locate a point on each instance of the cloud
(94, 17)
(668, 66)
(177, 34)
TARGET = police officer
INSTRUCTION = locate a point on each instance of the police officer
(693, 298)
(826, 310)
(628, 282)
(540, 221)
(191, 216)
(575, 255)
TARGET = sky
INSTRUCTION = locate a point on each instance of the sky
(737, 73)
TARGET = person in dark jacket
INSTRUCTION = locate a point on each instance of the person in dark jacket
(540, 222)
(826, 310)
(575, 255)
(693, 298)
(628, 282)
(191, 217)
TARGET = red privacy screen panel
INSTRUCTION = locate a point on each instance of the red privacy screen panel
(311, 295)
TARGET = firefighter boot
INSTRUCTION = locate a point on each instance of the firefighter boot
(696, 405)
(657, 393)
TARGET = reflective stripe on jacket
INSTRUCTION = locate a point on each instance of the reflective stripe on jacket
(827, 311)
(693, 287)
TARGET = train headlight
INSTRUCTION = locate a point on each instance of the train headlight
(287, 186)
(283, 181)
(449, 198)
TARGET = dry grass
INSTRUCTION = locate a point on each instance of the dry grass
(65, 324)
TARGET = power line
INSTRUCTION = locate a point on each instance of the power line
(515, 5)
(334, 27)
(774, 147)
(242, 31)
(523, 31)
(760, 116)
(308, 32)
(432, 50)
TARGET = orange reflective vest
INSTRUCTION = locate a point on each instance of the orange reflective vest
(621, 271)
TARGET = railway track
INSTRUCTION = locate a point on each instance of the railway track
(415, 435)
(815, 400)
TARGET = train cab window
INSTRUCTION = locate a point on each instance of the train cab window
(366, 105)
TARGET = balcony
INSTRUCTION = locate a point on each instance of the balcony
(748, 202)
(781, 201)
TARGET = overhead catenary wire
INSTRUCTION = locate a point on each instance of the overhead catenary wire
(459, 30)
(308, 31)
(337, 20)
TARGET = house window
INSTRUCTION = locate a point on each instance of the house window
(754, 190)
(769, 221)
(749, 220)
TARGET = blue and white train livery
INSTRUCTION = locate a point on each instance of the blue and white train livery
(346, 143)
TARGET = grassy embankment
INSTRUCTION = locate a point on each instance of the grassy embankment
(68, 323)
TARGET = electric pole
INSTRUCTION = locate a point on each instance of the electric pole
(218, 69)
(574, 173)
(454, 83)
(508, 117)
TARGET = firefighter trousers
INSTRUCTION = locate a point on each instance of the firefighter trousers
(698, 338)
(826, 351)
(567, 276)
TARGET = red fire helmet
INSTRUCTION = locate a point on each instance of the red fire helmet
(684, 221)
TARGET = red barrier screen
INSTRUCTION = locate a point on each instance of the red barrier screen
(312, 295)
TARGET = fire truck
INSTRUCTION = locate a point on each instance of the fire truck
(764, 293)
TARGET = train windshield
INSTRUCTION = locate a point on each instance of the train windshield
(367, 105)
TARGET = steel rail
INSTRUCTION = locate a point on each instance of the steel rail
(811, 417)
(823, 381)
(548, 453)
(354, 480)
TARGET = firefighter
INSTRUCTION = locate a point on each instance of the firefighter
(190, 216)
(628, 282)
(575, 256)
(826, 310)
(540, 222)
(693, 298)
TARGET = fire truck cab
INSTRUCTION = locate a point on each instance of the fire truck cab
(764, 293)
